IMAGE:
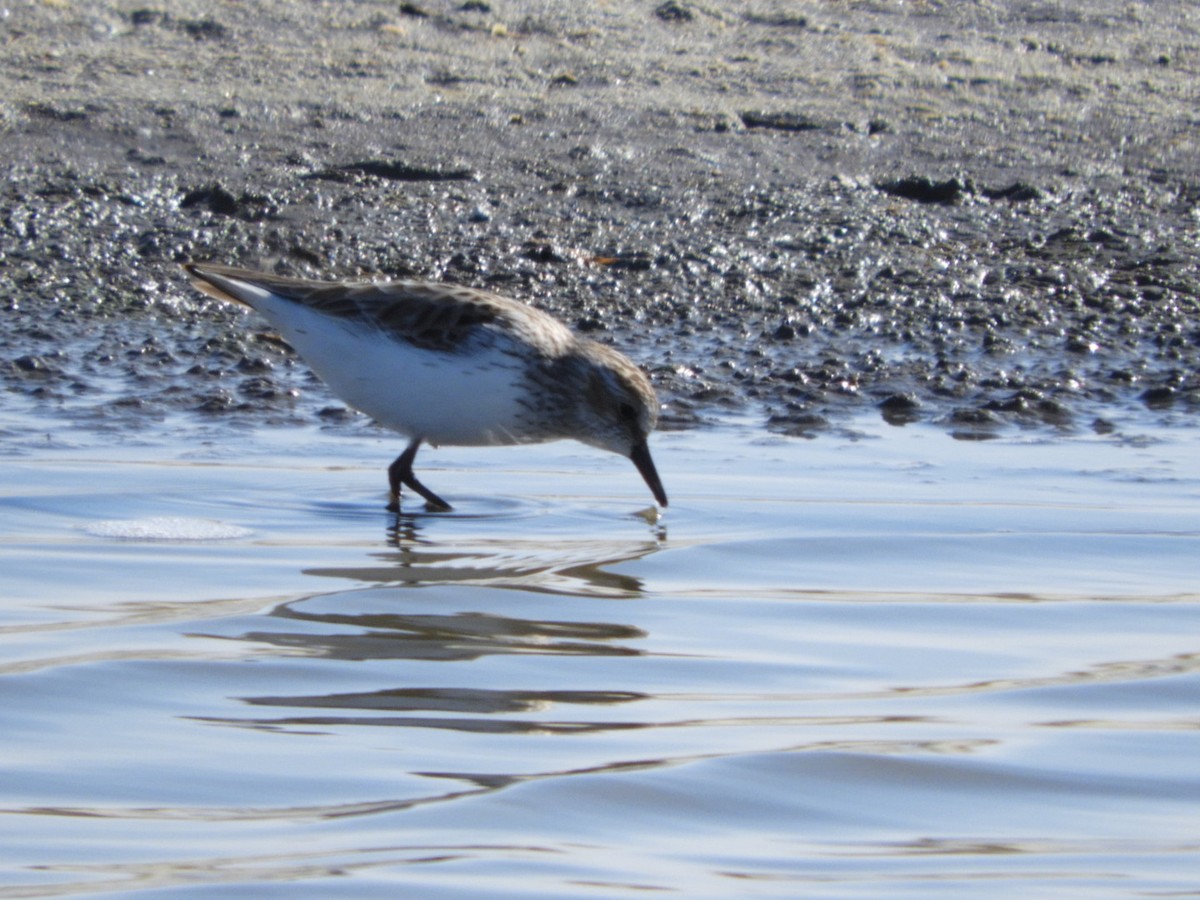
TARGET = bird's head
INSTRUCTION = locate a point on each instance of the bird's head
(619, 410)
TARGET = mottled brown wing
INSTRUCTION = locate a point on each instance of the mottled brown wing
(433, 316)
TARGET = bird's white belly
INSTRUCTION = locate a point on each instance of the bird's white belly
(456, 398)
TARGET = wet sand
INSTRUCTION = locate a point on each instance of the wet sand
(975, 215)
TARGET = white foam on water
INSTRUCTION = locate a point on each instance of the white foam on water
(166, 528)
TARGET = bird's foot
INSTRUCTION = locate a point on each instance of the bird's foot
(438, 505)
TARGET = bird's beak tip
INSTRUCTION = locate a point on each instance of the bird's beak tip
(645, 465)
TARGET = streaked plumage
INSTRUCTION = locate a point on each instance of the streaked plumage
(452, 365)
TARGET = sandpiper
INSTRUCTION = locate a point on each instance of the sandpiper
(444, 364)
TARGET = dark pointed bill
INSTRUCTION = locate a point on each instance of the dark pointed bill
(641, 458)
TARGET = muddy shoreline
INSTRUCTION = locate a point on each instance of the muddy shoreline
(981, 217)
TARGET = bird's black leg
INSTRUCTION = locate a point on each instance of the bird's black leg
(400, 473)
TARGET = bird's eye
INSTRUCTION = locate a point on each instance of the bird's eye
(627, 411)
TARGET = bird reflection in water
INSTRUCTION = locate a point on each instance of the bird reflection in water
(427, 600)
(572, 567)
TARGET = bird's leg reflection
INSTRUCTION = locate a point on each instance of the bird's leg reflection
(405, 530)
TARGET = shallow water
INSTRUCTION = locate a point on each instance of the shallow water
(894, 665)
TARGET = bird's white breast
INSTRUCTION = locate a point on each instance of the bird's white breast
(465, 397)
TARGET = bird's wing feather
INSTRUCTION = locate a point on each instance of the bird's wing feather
(433, 316)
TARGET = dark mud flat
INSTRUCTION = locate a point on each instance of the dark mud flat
(981, 216)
